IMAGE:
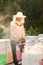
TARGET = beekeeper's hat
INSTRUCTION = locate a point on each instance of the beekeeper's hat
(20, 15)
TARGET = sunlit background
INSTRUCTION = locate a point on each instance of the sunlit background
(33, 9)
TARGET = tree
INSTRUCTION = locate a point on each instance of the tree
(33, 9)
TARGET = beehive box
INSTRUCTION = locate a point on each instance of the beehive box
(34, 55)
(2, 52)
(2, 57)
(31, 59)
(5, 52)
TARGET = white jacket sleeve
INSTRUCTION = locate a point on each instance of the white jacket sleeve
(13, 34)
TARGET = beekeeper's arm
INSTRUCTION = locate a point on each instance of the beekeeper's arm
(23, 39)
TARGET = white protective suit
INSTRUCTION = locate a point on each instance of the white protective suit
(17, 31)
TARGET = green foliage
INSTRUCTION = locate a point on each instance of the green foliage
(32, 31)
(33, 9)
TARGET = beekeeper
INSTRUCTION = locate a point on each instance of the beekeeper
(17, 32)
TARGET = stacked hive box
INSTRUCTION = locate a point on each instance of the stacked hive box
(34, 54)
(31, 59)
(2, 52)
(5, 52)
